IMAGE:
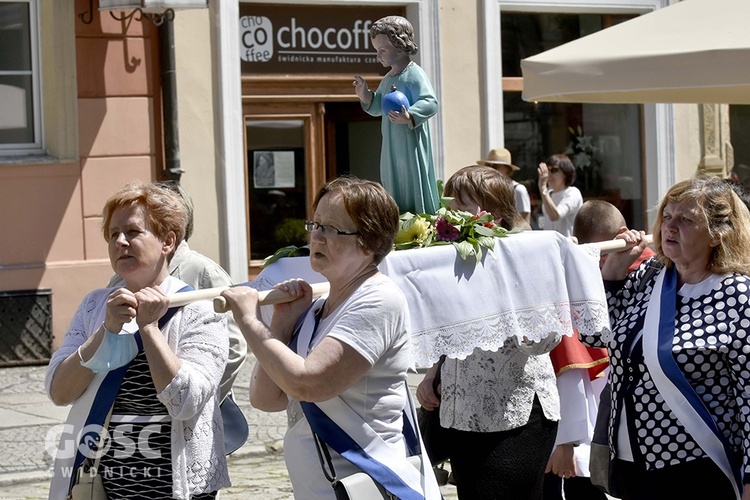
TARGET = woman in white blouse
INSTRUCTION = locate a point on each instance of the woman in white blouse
(338, 365)
(500, 409)
(560, 199)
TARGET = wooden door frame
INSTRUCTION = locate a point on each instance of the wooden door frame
(311, 114)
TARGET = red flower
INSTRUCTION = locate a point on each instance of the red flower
(445, 230)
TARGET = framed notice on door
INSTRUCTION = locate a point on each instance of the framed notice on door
(273, 169)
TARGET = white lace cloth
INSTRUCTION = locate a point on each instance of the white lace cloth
(533, 284)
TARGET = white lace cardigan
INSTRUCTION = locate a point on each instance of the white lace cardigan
(198, 336)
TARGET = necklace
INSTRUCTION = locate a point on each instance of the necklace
(346, 291)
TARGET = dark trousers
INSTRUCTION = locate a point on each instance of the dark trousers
(576, 488)
(503, 465)
(699, 478)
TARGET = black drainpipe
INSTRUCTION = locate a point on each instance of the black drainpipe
(172, 168)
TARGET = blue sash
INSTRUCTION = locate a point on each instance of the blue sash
(344, 430)
(105, 398)
(672, 384)
(394, 479)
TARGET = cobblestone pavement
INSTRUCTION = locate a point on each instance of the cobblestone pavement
(261, 477)
(29, 422)
(27, 427)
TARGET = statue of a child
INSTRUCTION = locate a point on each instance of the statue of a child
(406, 165)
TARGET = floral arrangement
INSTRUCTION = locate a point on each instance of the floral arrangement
(469, 233)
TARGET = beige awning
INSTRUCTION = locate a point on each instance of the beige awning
(695, 51)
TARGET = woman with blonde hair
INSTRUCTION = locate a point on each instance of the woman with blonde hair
(154, 369)
(679, 424)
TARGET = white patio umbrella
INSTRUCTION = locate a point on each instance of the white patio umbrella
(695, 51)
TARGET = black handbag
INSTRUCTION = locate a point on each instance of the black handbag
(434, 435)
(235, 425)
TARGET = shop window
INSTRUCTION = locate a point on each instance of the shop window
(739, 124)
(603, 140)
(353, 141)
(277, 187)
(20, 123)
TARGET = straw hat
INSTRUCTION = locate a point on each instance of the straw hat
(498, 156)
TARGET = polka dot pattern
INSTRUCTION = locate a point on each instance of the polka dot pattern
(711, 348)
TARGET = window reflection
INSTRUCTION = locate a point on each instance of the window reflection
(16, 75)
(603, 140)
(276, 185)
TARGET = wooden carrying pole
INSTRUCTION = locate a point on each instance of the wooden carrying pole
(610, 246)
(270, 297)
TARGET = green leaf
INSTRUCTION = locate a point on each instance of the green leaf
(487, 242)
(288, 251)
(484, 231)
(485, 217)
(464, 248)
(406, 223)
(406, 216)
(406, 246)
(444, 200)
(456, 217)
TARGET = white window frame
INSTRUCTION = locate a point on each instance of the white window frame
(658, 119)
(35, 147)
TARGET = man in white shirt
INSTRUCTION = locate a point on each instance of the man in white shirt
(500, 159)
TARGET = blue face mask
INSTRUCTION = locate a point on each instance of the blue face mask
(116, 350)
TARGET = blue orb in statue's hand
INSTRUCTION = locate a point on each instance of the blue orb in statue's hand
(393, 101)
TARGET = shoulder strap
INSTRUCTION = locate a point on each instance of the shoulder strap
(316, 308)
(335, 424)
(352, 438)
(653, 267)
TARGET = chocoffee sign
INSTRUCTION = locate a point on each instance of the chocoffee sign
(309, 39)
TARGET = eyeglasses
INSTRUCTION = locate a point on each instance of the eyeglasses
(326, 229)
(552, 170)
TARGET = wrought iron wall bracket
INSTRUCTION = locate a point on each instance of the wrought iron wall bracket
(125, 17)
(157, 19)
(88, 16)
